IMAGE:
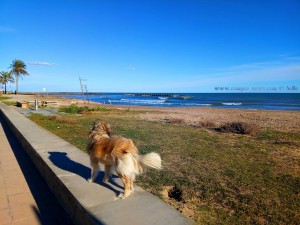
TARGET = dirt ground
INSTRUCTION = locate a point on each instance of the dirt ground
(281, 120)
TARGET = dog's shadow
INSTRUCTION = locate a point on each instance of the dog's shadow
(61, 160)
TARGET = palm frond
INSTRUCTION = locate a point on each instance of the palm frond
(18, 67)
(6, 77)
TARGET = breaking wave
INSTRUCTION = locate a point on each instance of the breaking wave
(232, 103)
(141, 101)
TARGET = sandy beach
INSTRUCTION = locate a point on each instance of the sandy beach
(280, 120)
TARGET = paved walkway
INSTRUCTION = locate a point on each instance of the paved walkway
(25, 199)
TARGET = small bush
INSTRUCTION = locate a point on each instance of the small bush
(101, 109)
(238, 128)
(72, 109)
(75, 109)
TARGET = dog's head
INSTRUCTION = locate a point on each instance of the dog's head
(104, 126)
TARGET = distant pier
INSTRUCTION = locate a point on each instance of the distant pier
(155, 94)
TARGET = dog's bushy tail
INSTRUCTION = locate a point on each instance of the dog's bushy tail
(150, 160)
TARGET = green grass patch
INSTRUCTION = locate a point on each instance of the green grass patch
(4, 99)
(9, 103)
(216, 178)
(75, 109)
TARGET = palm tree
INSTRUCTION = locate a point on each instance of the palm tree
(6, 77)
(18, 68)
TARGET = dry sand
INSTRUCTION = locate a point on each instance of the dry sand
(31, 98)
(281, 120)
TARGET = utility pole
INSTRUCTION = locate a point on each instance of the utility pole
(84, 90)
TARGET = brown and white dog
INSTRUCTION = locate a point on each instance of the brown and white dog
(119, 152)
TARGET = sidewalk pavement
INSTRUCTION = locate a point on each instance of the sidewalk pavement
(25, 199)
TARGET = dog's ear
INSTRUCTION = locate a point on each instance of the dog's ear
(106, 126)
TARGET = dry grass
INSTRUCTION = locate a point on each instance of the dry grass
(64, 119)
(229, 127)
(173, 120)
(207, 124)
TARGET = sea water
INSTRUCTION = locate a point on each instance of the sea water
(264, 101)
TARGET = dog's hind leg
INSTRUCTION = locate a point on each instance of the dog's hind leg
(131, 185)
(95, 169)
(127, 187)
(107, 173)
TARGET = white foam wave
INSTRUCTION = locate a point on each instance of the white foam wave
(163, 98)
(193, 104)
(205, 104)
(137, 101)
(232, 103)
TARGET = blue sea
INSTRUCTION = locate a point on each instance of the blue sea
(253, 101)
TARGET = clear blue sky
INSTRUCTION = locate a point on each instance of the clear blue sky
(152, 46)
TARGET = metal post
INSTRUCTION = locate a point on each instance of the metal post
(36, 104)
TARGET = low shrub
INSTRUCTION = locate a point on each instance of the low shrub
(72, 109)
(238, 128)
(75, 109)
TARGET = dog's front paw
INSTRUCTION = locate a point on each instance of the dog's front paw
(90, 180)
(121, 196)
